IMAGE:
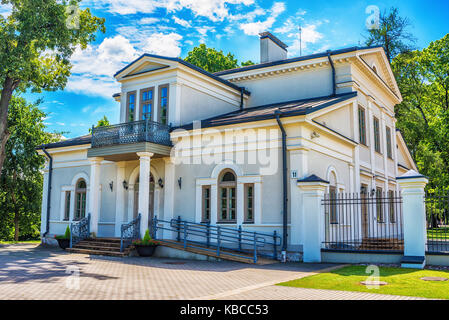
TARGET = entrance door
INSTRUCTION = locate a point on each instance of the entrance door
(151, 198)
(364, 211)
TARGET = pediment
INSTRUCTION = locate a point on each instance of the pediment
(143, 65)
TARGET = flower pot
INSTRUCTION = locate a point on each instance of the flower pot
(63, 243)
(145, 251)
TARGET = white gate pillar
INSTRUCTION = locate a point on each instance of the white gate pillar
(144, 190)
(312, 192)
(414, 215)
(94, 198)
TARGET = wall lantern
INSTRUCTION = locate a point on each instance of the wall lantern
(111, 185)
(180, 182)
(125, 184)
(161, 183)
(373, 192)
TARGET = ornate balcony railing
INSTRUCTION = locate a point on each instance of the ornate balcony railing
(79, 231)
(131, 132)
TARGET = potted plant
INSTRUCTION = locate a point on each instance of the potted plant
(146, 246)
(64, 240)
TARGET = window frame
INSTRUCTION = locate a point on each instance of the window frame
(159, 107)
(204, 209)
(142, 102)
(83, 201)
(362, 126)
(128, 94)
(376, 132)
(389, 142)
(67, 204)
(246, 218)
(230, 188)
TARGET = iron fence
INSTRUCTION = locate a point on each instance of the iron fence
(131, 132)
(437, 216)
(363, 222)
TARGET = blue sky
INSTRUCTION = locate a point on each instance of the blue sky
(174, 27)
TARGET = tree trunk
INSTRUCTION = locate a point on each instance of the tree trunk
(16, 226)
(5, 98)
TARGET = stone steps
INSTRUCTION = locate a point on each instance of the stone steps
(101, 247)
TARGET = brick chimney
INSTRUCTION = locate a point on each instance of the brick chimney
(271, 48)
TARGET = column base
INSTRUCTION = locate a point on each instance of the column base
(413, 262)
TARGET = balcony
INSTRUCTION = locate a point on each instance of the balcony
(122, 141)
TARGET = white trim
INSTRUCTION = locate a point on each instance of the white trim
(227, 164)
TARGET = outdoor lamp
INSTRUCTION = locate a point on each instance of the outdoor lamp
(160, 182)
(125, 184)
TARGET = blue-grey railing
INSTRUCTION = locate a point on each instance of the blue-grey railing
(131, 132)
(129, 232)
(79, 230)
(218, 239)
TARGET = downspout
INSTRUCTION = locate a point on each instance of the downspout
(50, 172)
(284, 186)
(242, 92)
(334, 85)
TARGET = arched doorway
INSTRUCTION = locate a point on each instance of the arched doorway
(151, 200)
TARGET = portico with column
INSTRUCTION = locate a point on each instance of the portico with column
(95, 196)
(144, 190)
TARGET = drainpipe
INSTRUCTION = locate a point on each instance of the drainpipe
(242, 92)
(284, 185)
(50, 172)
(334, 85)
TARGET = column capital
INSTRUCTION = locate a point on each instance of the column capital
(96, 160)
(169, 160)
(145, 154)
(121, 164)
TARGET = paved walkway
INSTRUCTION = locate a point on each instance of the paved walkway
(31, 272)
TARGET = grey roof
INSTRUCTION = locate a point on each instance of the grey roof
(281, 62)
(275, 39)
(313, 178)
(285, 109)
(67, 143)
(189, 65)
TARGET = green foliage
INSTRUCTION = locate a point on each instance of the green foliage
(146, 241)
(392, 34)
(104, 122)
(212, 60)
(21, 179)
(66, 235)
(423, 116)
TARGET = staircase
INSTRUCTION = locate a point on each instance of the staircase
(101, 247)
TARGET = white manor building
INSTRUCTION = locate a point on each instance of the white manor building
(210, 147)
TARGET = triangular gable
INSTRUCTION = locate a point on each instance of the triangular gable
(142, 65)
(377, 58)
(404, 157)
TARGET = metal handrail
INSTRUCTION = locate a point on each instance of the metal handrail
(129, 232)
(79, 230)
(131, 132)
(217, 238)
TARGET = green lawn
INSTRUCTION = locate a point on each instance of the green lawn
(440, 233)
(16, 242)
(404, 282)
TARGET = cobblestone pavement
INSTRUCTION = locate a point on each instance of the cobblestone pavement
(32, 272)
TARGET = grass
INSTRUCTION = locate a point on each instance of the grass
(403, 282)
(440, 233)
(17, 242)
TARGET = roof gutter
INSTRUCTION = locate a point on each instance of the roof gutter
(284, 186)
(50, 172)
(334, 82)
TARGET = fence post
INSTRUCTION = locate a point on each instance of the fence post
(185, 235)
(414, 214)
(255, 248)
(312, 190)
(218, 241)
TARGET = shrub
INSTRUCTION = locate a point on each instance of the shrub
(66, 235)
(146, 241)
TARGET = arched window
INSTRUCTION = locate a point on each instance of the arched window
(227, 196)
(80, 198)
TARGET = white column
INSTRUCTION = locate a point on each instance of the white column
(370, 125)
(240, 203)
(414, 215)
(356, 152)
(296, 164)
(312, 195)
(120, 212)
(131, 202)
(213, 204)
(169, 194)
(144, 190)
(258, 203)
(94, 199)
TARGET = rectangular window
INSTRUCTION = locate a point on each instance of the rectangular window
(379, 205)
(80, 211)
(206, 204)
(228, 207)
(146, 104)
(163, 104)
(376, 135)
(67, 206)
(131, 107)
(249, 203)
(391, 206)
(389, 150)
(362, 126)
(333, 204)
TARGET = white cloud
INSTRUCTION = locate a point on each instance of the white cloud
(94, 86)
(181, 22)
(254, 28)
(149, 20)
(164, 44)
(309, 36)
(123, 6)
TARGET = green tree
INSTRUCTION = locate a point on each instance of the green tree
(103, 122)
(392, 34)
(212, 60)
(21, 179)
(36, 42)
(423, 116)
